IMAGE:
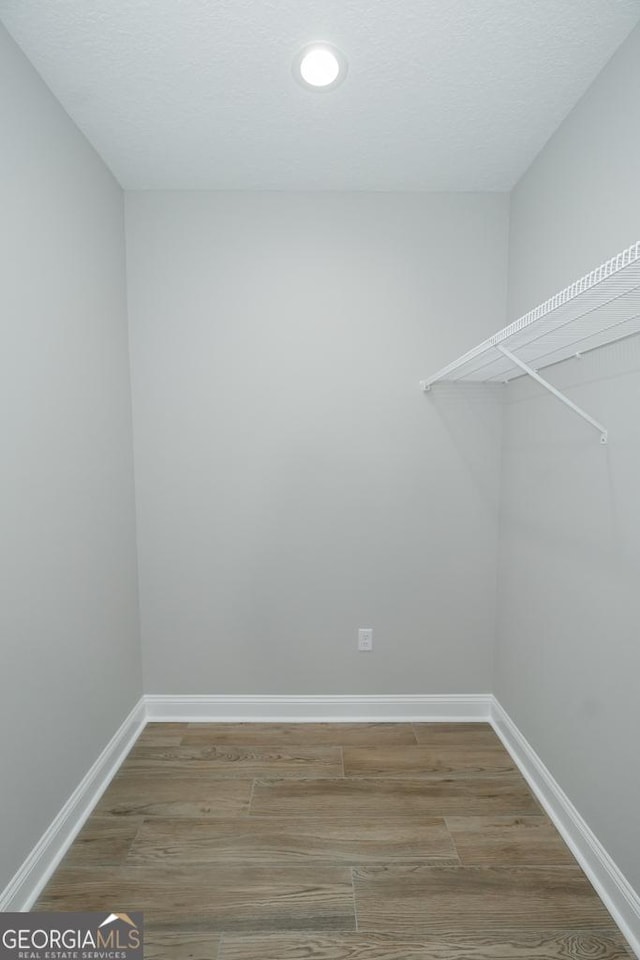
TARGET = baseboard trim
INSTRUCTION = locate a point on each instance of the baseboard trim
(612, 887)
(298, 709)
(24, 888)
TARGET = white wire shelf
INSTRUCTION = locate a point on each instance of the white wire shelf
(598, 309)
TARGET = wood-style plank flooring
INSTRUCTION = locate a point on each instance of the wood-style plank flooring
(378, 841)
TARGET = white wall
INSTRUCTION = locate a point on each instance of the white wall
(568, 655)
(68, 607)
(292, 481)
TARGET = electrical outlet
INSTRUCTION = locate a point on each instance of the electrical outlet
(365, 639)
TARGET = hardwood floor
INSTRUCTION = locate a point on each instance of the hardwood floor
(332, 841)
(289, 840)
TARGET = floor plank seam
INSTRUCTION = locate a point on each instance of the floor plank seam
(355, 906)
(453, 842)
(135, 837)
(250, 804)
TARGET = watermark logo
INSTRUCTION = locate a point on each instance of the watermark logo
(71, 936)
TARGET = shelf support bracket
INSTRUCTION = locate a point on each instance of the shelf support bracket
(556, 393)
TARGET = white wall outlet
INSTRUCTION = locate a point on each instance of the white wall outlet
(365, 639)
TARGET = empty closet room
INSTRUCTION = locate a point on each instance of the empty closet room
(319, 514)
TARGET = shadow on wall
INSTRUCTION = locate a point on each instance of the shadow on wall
(560, 483)
(468, 413)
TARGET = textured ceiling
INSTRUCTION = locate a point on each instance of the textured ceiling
(440, 95)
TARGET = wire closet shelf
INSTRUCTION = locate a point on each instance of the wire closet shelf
(598, 309)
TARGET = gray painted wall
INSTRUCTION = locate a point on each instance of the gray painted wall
(68, 610)
(293, 484)
(292, 481)
(568, 656)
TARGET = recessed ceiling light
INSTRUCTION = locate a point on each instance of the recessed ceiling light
(320, 66)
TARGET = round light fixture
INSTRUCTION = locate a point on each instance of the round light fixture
(320, 66)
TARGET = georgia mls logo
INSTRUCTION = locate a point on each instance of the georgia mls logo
(71, 936)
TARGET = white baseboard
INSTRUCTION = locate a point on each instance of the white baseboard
(23, 890)
(612, 887)
(290, 709)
